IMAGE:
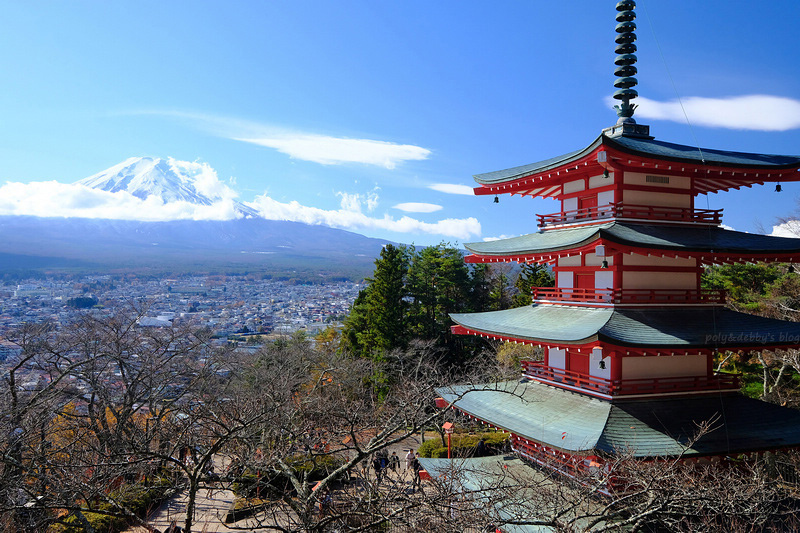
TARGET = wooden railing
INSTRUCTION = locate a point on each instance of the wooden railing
(629, 296)
(620, 210)
(717, 381)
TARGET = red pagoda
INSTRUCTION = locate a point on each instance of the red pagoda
(628, 334)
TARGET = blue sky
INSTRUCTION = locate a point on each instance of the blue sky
(373, 116)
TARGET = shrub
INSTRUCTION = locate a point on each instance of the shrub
(426, 448)
(316, 469)
(464, 444)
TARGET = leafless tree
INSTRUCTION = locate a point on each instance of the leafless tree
(106, 393)
(118, 404)
(680, 494)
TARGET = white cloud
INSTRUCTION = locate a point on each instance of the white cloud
(354, 202)
(337, 150)
(790, 228)
(498, 238)
(203, 178)
(452, 188)
(750, 112)
(54, 199)
(418, 207)
(356, 220)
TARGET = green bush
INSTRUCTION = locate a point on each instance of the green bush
(464, 444)
(316, 469)
(426, 448)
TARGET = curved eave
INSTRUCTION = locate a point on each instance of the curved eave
(711, 170)
(552, 164)
(534, 246)
(659, 427)
(678, 153)
(710, 245)
(676, 329)
(569, 422)
(537, 324)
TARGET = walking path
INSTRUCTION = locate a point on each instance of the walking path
(210, 510)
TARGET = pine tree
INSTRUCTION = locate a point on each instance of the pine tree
(376, 323)
(531, 275)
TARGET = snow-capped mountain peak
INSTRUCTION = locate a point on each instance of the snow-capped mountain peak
(168, 179)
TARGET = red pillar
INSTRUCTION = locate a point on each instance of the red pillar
(616, 368)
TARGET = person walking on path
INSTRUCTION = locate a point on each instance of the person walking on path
(394, 462)
(378, 467)
(410, 458)
(417, 478)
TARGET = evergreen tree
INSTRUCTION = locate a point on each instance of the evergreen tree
(500, 296)
(439, 283)
(481, 282)
(531, 275)
(411, 296)
(376, 323)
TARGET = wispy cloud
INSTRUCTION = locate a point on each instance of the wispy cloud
(327, 150)
(355, 219)
(418, 207)
(452, 188)
(303, 145)
(750, 112)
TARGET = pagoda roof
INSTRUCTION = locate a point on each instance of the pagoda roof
(482, 477)
(679, 239)
(644, 428)
(650, 148)
(680, 152)
(653, 327)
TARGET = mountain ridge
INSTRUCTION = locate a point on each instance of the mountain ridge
(187, 245)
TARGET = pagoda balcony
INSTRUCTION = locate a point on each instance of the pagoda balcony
(629, 387)
(637, 297)
(619, 211)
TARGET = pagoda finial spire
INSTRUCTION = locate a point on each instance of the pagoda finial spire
(625, 61)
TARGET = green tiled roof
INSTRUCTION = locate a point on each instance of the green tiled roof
(544, 241)
(680, 152)
(516, 172)
(662, 237)
(679, 327)
(645, 428)
(481, 477)
(698, 239)
(648, 148)
(540, 322)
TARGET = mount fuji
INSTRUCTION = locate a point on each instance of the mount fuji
(235, 238)
(166, 179)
